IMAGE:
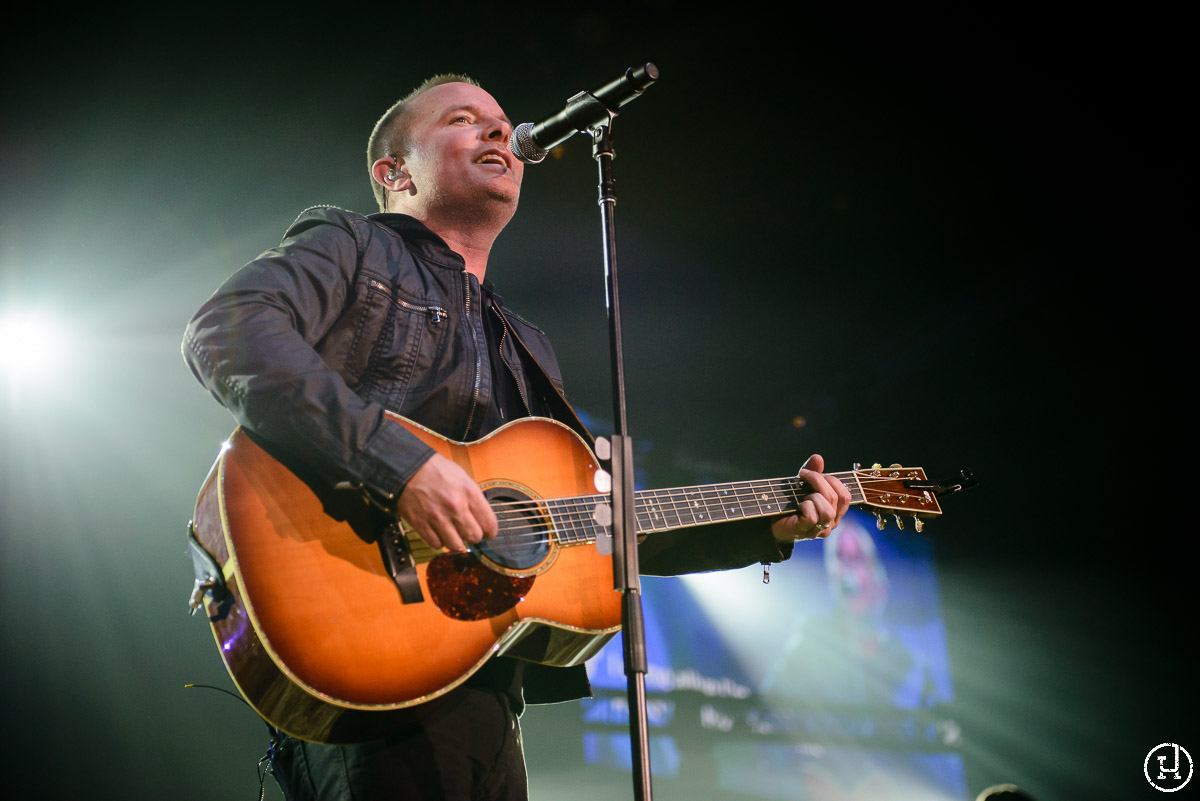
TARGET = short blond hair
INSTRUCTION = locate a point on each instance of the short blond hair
(389, 137)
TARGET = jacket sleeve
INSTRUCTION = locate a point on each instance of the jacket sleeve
(720, 546)
(253, 346)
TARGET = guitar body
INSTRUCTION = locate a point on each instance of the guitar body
(338, 625)
(317, 635)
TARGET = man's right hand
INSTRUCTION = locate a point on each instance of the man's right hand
(445, 506)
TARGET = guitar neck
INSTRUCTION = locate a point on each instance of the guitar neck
(585, 518)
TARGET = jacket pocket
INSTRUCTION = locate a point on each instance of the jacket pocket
(396, 341)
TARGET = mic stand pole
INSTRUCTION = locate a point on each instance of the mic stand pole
(624, 521)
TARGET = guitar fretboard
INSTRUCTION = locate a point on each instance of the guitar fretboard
(586, 518)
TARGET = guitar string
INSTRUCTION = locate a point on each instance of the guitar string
(670, 500)
(739, 492)
(665, 502)
(526, 519)
(662, 501)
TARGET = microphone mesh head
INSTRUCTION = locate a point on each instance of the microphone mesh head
(522, 145)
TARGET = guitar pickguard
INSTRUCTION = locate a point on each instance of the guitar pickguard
(466, 589)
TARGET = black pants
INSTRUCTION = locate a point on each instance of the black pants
(468, 750)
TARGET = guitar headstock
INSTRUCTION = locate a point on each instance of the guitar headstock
(897, 491)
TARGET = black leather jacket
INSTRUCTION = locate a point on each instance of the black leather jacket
(350, 315)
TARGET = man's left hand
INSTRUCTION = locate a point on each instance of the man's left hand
(820, 511)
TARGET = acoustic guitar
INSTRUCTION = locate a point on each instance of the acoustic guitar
(338, 624)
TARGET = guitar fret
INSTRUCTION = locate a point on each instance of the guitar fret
(645, 516)
(720, 502)
(854, 484)
(679, 507)
(782, 492)
(578, 520)
(556, 519)
(564, 524)
(597, 529)
(715, 503)
(697, 510)
(657, 511)
(764, 497)
(587, 517)
(672, 506)
(751, 496)
(733, 502)
(561, 521)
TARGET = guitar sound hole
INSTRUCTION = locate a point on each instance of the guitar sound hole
(523, 541)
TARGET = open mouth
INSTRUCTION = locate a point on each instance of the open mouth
(492, 157)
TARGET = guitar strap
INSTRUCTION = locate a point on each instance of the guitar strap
(544, 386)
(397, 556)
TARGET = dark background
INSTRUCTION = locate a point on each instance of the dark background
(940, 237)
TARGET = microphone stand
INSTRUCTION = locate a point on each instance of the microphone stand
(624, 522)
(593, 113)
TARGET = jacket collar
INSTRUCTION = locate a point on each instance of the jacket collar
(420, 239)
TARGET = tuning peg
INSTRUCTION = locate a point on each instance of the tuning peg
(899, 523)
(880, 523)
(918, 524)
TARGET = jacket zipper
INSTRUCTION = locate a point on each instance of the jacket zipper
(516, 380)
(436, 312)
(478, 359)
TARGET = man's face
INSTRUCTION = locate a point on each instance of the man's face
(458, 155)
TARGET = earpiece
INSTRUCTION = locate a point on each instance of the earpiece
(395, 172)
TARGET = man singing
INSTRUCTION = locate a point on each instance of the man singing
(352, 315)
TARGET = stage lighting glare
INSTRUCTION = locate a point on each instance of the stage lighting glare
(30, 345)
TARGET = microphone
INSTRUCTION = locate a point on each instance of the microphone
(530, 142)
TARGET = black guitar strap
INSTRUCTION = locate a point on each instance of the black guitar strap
(560, 408)
(397, 556)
